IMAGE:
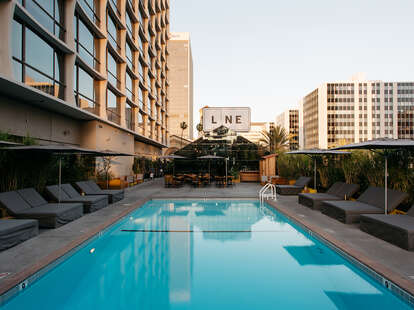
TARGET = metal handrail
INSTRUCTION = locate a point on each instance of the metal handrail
(263, 195)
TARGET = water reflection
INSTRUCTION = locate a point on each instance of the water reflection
(311, 255)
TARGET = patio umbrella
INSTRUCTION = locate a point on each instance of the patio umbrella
(384, 147)
(210, 157)
(61, 150)
(172, 156)
(313, 154)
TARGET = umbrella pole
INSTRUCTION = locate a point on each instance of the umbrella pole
(386, 185)
(60, 176)
(314, 173)
(226, 170)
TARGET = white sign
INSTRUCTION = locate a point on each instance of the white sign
(236, 119)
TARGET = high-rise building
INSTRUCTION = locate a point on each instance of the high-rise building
(180, 77)
(289, 120)
(255, 134)
(91, 73)
(357, 110)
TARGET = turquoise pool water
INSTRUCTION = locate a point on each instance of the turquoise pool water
(205, 255)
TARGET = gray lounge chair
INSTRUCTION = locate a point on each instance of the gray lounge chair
(91, 188)
(69, 195)
(370, 202)
(49, 215)
(293, 189)
(338, 191)
(13, 232)
(396, 229)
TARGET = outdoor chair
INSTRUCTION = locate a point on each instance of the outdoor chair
(295, 188)
(69, 195)
(28, 204)
(395, 229)
(338, 191)
(13, 232)
(370, 202)
(91, 188)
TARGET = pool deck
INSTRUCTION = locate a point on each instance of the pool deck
(27, 258)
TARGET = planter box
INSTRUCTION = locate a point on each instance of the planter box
(250, 176)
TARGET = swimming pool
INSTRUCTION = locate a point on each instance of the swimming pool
(193, 254)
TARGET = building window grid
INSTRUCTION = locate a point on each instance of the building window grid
(80, 48)
(89, 8)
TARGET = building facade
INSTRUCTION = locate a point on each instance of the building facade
(289, 120)
(180, 77)
(92, 73)
(358, 110)
(256, 131)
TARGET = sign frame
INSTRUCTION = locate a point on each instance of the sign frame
(208, 111)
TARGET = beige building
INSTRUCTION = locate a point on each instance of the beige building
(91, 73)
(356, 110)
(256, 130)
(289, 120)
(180, 77)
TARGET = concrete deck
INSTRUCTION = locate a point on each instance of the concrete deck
(25, 259)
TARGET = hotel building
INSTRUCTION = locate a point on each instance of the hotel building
(180, 78)
(289, 120)
(357, 110)
(91, 73)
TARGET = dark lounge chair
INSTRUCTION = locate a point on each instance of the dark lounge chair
(396, 229)
(338, 191)
(13, 232)
(28, 204)
(91, 188)
(69, 195)
(370, 202)
(295, 188)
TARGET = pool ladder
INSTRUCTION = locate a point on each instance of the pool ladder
(267, 192)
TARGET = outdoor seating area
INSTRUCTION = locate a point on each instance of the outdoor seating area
(197, 180)
(368, 210)
(26, 210)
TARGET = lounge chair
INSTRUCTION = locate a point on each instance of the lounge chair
(13, 232)
(91, 188)
(69, 195)
(338, 191)
(295, 188)
(396, 229)
(370, 202)
(33, 206)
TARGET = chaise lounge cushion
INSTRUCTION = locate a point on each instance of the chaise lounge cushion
(370, 202)
(48, 215)
(396, 229)
(90, 203)
(13, 232)
(91, 188)
(338, 191)
(293, 189)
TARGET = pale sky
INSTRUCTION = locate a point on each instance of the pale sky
(267, 54)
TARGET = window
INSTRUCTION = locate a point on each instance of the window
(49, 13)
(89, 7)
(129, 25)
(85, 43)
(129, 86)
(128, 116)
(35, 62)
(112, 69)
(129, 55)
(141, 99)
(112, 32)
(140, 70)
(114, 4)
(112, 112)
(85, 90)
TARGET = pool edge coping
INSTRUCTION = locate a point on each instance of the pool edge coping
(391, 280)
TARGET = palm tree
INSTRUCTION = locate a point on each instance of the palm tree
(275, 140)
(199, 128)
(183, 127)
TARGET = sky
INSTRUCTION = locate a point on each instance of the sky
(268, 54)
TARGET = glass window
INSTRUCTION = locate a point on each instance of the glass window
(129, 86)
(85, 43)
(140, 70)
(112, 32)
(141, 98)
(35, 62)
(112, 69)
(85, 90)
(129, 55)
(129, 25)
(128, 116)
(49, 14)
(112, 107)
(89, 7)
